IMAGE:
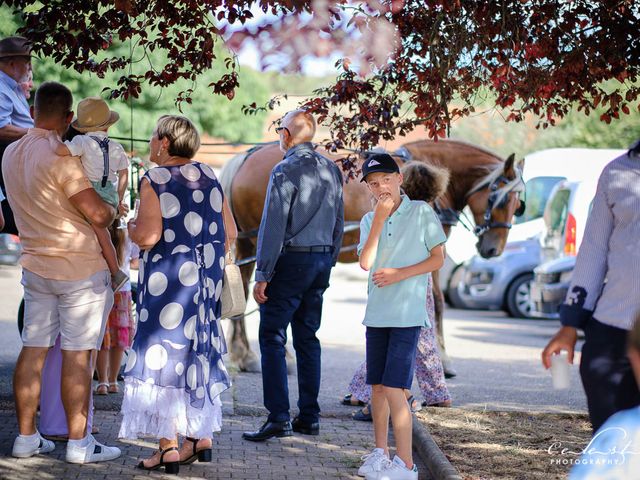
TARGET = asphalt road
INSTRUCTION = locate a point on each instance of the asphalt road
(497, 357)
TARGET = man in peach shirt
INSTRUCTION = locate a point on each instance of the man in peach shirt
(67, 286)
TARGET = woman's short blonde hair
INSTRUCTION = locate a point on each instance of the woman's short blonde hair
(184, 139)
(634, 334)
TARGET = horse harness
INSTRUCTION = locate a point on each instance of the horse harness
(498, 198)
(451, 217)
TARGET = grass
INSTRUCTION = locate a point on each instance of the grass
(485, 445)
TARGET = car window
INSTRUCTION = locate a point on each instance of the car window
(536, 194)
(557, 211)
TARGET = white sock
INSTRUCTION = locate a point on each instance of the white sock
(398, 461)
(82, 443)
(34, 438)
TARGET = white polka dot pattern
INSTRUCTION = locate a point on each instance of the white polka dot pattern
(188, 274)
(156, 357)
(190, 172)
(171, 315)
(193, 223)
(216, 200)
(169, 205)
(157, 283)
(160, 175)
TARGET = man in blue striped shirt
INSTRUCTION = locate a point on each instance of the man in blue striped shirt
(15, 117)
(604, 295)
(298, 243)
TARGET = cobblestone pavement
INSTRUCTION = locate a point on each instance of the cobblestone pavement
(335, 453)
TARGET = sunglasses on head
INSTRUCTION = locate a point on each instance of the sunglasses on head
(279, 129)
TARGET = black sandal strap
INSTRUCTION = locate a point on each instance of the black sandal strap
(162, 452)
(194, 441)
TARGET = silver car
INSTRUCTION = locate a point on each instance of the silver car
(10, 249)
(502, 282)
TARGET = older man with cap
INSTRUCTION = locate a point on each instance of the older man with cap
(15, 119)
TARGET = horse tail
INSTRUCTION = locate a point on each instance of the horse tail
(424, 182)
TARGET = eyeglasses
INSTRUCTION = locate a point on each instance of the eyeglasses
(279, 129)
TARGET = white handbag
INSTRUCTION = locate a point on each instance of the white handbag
(233, 299)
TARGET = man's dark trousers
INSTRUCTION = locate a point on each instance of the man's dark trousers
(606, 372)
(294, 297)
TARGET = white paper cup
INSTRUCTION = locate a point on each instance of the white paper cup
(560, 372)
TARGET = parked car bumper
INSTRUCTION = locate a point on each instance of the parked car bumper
(550, 286)
(547, 299)
(485, 282)
(477, 289)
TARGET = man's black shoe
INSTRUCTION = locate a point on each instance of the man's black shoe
(269, 430)
(305, 428)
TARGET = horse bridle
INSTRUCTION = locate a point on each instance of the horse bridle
(492, 202)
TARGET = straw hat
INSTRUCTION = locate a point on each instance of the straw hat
(15, 47)
(94, 114)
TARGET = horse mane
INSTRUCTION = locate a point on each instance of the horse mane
(426, 144)
(423, 181)
(493, 175)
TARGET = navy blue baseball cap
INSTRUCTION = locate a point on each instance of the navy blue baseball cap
(379, 162)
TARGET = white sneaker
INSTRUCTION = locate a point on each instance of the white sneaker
(93, 452)
(23, 448)
(394, 470)
(373, 462)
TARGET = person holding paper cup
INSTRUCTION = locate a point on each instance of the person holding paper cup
(604, 295)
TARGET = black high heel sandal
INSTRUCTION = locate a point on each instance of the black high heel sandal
(169, 467)
(203, 455)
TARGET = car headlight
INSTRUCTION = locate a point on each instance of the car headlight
(481, 277)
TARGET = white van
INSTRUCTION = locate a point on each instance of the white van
(542, 171)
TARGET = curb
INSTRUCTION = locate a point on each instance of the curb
(424, 445)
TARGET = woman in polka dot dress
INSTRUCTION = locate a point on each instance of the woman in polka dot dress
(175, 373)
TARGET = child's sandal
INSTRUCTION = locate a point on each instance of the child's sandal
(102, 389)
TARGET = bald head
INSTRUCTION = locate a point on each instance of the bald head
(298, 127)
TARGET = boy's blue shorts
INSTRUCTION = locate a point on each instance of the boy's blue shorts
(391, 355)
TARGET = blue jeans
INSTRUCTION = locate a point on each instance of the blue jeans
(294, 297)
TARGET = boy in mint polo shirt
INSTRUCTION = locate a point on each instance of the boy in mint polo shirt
(401, 241)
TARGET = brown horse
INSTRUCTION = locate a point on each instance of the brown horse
(477, 178)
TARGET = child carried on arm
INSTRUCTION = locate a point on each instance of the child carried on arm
(106, 165)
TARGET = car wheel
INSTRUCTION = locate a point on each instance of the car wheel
(519, 296)
(453, 297)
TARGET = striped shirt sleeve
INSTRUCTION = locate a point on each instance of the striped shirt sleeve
(591, 264)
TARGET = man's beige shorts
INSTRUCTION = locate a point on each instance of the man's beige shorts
(77, 310)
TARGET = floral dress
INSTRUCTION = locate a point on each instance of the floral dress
(175, 373)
